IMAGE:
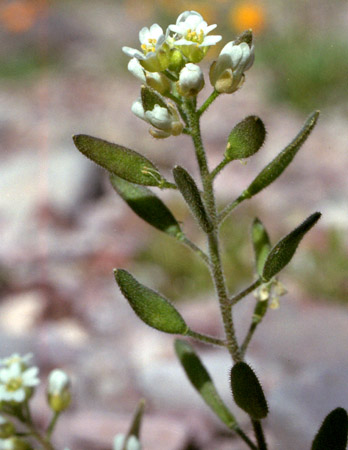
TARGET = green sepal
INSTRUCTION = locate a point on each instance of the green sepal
(260, 310)
(150, 98)
(261, 244)
(190, 192)
(277, 166)
(332, 434)
(284, 250)
(153, 309)
(147, 206)
(247, 391)
(202, 382)
(246, 138)
(121, 161)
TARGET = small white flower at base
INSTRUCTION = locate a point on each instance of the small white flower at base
(16, 357)
(58, 390)
(132, 443)
(165, 119)
(154, 55)
(191, 80)
(156, 80)
(227, 73)
(16, 384)
(190, 34)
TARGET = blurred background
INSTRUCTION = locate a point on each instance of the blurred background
(62, 72)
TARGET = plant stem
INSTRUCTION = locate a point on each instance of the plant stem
(245, 438)
(196, 249)
(229, 208)
(206, 339)
(248, 337)
(207, 103)
(51, 426)
(260, 437)
(218, 168)
(235, 299)
(213, 240)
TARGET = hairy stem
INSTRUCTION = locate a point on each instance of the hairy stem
(206, 339)
(260, 437)
(208, 102)
(235, 299)
(196, 249)
(213, 239)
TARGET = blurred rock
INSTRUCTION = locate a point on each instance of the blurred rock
(20, 313)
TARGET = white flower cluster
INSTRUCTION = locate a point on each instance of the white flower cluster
(167, 63)
(17, 379)
(271, 291)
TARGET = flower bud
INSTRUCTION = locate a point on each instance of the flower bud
(58, 391)
(191, 80)
(132, 443)
(227, 73)
(7, 428)
(165, 119)
(156, 80)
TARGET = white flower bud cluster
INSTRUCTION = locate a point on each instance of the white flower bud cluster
(167, 63)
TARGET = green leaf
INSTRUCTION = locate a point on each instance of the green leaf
(332, 434)
(150, 98)
(152, 308)
(190, 192)
(134, 429)
(121, 161)
(246, 138)
(147, 206)
(202, 382)
(247, 391)
(261, 244)
(282, 160)
(284, 250)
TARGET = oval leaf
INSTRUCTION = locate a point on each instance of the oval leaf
(332, 434)
(121, 161)
(147, 205)
(284, 250)
(282, 160)
(202, 382)
(190, 192)
(152, 308)
(247, 391)
(261, 244)
(246, 138)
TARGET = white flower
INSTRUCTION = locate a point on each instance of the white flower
(58, 381)
(58, 390)
(156, 80)
(14, 382)
(164, 118)
(132, 443)
(192, 30)
(227, 73)
(153, 56)
(16, 357)
(191, 80)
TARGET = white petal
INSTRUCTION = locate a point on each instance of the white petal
(18, 395)
(210, 28)
(156, 31)
(137, 69)
(159, 117)
(144, 35)
(133, 52)
(210, 40)
(138, 109)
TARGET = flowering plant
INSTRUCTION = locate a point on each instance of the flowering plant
(167, 65)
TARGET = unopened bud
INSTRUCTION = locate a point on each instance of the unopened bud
(132, 443)
(191, 80)
(58, 391)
